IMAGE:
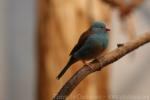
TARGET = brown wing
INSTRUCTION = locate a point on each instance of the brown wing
(81, 41)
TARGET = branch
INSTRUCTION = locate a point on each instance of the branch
(97, 65)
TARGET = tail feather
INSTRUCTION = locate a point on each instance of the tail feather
(71, 61)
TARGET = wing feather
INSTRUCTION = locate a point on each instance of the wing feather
(81, 41)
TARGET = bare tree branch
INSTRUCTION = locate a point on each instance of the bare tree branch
(97, 65)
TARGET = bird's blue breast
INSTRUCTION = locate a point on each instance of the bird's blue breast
(93, 46)
(98, 39)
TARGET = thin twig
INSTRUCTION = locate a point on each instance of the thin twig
(97, 65)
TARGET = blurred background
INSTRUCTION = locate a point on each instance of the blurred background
(36, 37)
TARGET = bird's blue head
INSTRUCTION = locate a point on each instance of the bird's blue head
(99, 26)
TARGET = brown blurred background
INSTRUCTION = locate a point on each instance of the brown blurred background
(36, 37)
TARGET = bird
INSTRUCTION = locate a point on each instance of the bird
(91, 44)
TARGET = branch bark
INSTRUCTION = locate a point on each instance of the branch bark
(97, 65)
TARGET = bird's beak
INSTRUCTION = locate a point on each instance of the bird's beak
(107, 29)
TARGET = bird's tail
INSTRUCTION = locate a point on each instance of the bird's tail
(71, 61)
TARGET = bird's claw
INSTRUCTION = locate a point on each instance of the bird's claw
(85, 63)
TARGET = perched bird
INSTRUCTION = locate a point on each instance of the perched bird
(91, 44)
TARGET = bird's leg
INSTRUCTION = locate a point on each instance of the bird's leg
(85, 63)
(97, 59)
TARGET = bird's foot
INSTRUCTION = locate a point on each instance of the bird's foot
(97, 60)
(89, 65)
(85, 63)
